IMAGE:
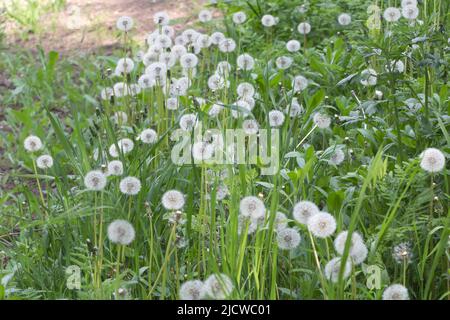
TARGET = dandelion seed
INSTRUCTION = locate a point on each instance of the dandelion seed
(333, 268)
(124, 23)
(299, 83)
(293, 45)
(245, 62)
(161, 18)
(205, 16)
(95, 180)
(395, 292)
(321, 120)
(253, 207)
(304, 28)
(276, 118)
(173, 200)
(322, 224)
(288, 238)
(239, 17)
(304, 210)
(283, 62)
(115, 168)
(130, 186)
(218, 286)
(391, 14)
(344, 19)
(432, 160)
(402, 253)
(121, 232)
(192, 290)
(250, 126)
(148, 136)
(32, 144)
(44, 162)
(268, 20)
(337, 158)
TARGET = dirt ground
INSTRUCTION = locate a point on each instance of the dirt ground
(87, 25)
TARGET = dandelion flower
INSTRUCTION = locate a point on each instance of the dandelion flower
(368, 77)
(333, 268)
(227, 45)
(106, 93)
(32, 144)
(295, 109)
(221, 192)
(125, 145)
(391, 14)
(359, 253)
(409, 3)
(252, 206)
(344, 19)
(124, 23)
(268, 20)
(216, 82)
(304, 210)
(146, 81)
(245, 62)
(402, 253)
(321, 120)
(178, 51)
(239, 17)
(276, 118)
(95, 180)
(130, 186)
(304, 28)
(288, 238)
(432, 160)
(115, 168)
(245, 89)
(202, 151)
(410, 12)
(125, 65)
(280, 222)
(395, 292)
(218, 286)
(299, 83)
(189, 61)
(148, 136)
(322, 224)
(205, 16)
(161, 18)
(339, 242)
(188, 121)
(203, 41)
(283, 62)
(250, 126)
(293, 45)
(337, 158)
(246, 224)
(121, 232)
(173, 200)
(217, 37)
(191, 290)
(44, 162)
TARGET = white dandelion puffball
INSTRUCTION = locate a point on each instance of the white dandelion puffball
(250, 126)
(304, 28)
(172, 104)
(173, 200)
(218, 286)
(268, 20)
(227, 45)
(410, 12)
(245, 62)
(178, 51)
(32, 144)
(252, 207)
(121, 232)
(304, 210)
(333, 267)
(125, 145)
(191, 290)
(161, 18)
(239, 17)
(391, 14)
(203, 41)
(221, 192)
(130, 186)
(288, 238)
(124, 23)
(395, 292)
(321, 120)
(202, 151)
(205, 16)
(115, 168)
(337, 158)
(283, 62)
(396, 66)
(146, 81)
(188, 121)
(217, 37)
(163, 41)
(106, 93)
(322, 225)
(368, 77)
(246, 224)
(280, 222)
(341, 238)
(299, 83)
(216, 82)
(409, 3)
(432, 160)
(44, 162)
(344, 19)
(215, 109)
(189, 61)
(295, 109)
(125, 65)
(148, 136)
(276, 118)
(95, 180)
(223, 68)
(359, 253)
(245, 89)
(402, 253)
(293, 46)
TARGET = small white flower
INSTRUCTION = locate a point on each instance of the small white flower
(44, 162)
(178, 51)
(322, 121)
(95, 180)
(252, 207)
(227, 45)
(32, 144)
(288, 238)
(148, 136)
(333, 267)
(391, 14)
(304, 28)
(395, 292)
(293, 45)
(304, 210)
(173, 200)
(124, 23)
(189, 36)
(322, 224)
(192, 290)
(299, 83)
(130, 186)
(115, 168)
(432, 160)
(203, 41)
(218, 286)
(223, 68)
(250, 126)
(121, 232)
(268, 20)
(205, 16)
(344, 19)
(163, 41)
(276, 118)
(245, 62)
(239, 17)
(161, 18)
(283, 62)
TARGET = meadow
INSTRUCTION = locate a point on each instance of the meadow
(268, 150)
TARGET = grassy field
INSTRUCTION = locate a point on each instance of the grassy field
(313, 138)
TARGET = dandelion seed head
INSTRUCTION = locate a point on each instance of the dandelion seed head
(268, 20)
(299, 83)
(125, 65)
(322, 224)
(246, 224)
(344, 19)
(205, 16)
(288, 238)
(188, 121)
(161, 18)
(276, 118)
(410, 12)
(304, 28)
(252, 206)
(44, 162)
(333, 267)
(218, 286)
(130, 186)
(192, 290)
(409, 3)
(217, 37)
(202, 151)
(293, 45)
(245, 62)
(115, 168)
(148, 136)
(121, 232)
(239, 17)
(32, 144)
(250, 126)
(245, 89)
(173, 200)
(106, 93)
(391, 14)
(395, 292)
(432, 160)
(359, 253)
(227, 45)
(337, 157)
(321, 120)
(341, 238)
(283, 62)
(368, 77)
(304, 210)
(95, 180)
(124, 23)
(189, 61)
(402, 253)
